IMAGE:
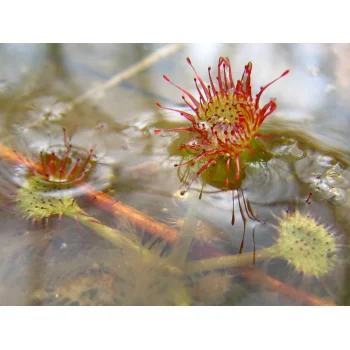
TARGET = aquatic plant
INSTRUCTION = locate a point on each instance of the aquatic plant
(308, 246)
(225, 119)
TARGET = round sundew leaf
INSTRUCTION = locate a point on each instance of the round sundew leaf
(216, 174)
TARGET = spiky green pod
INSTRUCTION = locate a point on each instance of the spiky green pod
(305, 244)
(38, 199)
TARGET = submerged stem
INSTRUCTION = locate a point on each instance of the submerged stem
(228, 261)
(119, 240)
(182, 245)
(139, 219)
(112, 235)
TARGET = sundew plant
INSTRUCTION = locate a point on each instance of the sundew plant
(225, 117)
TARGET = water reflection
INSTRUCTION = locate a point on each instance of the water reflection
(109, 92)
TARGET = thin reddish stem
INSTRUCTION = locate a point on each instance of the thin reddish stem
(85, 163)
(71, 172)
(195, 102)
(200, 79)
(203, 168)
(64, 163)
(53, 163)
(188, 116)
(263, 88)
(238, 167)
(227, 170)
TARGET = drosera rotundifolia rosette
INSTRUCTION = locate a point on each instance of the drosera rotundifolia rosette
(53, 179)
(221, 139)
(225, 119)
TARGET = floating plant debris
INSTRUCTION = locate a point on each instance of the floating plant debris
(225, 118)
